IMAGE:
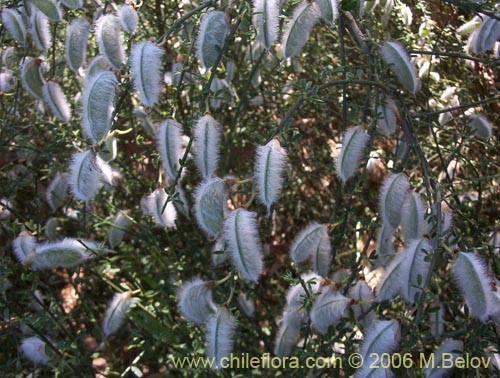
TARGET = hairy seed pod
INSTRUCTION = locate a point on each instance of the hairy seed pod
(109, 40)
(31, 77)
(385, 244)
(390, 284)
(153, 205)
(266, 21)
(116, 312)
(299, 27)
(328, 308)
(269, 163)
(73, 4)
(246, 304)
(219, 336)
(444, 359)
(121, 224)
(145, 66)
(23, 246)
(481, 126)
(485, 37)
(349, 158)
(207, 134)
(414, 268)
(128, 18)
(210, 205)
(40, 30)
(389, 117)
(7, 82)
(307, 242)
(363, 312)
(51, 229)
(211, 38)
(35, 350)
(394, 54)
(85, 175)
(288, 333)
(50, 8)
(195, 301)
(146, 123)
(392, 196)
(169, 144)
(56, 191)
(97, 105)
(14, 24)
(412, 217)
(329, 11)
(244, 246)
(55, 98)
(75, 46)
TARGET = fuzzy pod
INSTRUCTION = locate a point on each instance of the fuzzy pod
(7, 81)
(75, 45)
(392, 196)
(269, 164)
(266, 21)
(481, 126)
(128, 18)
(169, 144)
(471, 275)
(56, 191)
(414, 268)
(219, 251)
(288, 333)
(469, 26)
(363, 312)
(97, 105)
(394, 54)
(40, 30)
(207, 135)
(211, 38)
(390, 283)
(389, 117)
(109, 40)
(349, 158)
(307, 241)
(153, 205)
(31, 77)
(485, 37)
(115, 313)
(329, 11)
(299, 27)
(444, 359)
(72, 4)
(34, 349)
(413, 217)
(219, 336)
(51, 229)
(50, 8)
(66, 253)
(436, 321)
(328, 308)
(14, 24)
(195, 301)
(145, 66)
(96, 65)
(445, 215)
(385, 244)
(55, 98)
(146, 123)
(24, 246)
(244, 246)
(322, 257)
(85, 175)
(382, 337)
(246, 304)
(119, 227)
(210, 205)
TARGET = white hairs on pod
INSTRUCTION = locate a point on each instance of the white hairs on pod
(40, 30)
(288, 333)
(481, 126)
(328, 308)
(7, 81)
(97, 105)
(153, 205)
(55, 98)
(97, 64)
(389, 117)
(471, 275)
(382, 337)
(485, 37)
(395, 55)
(266, 21)
(109, 40)
(244, 246)
(128, 18)
(246, 304)
(34, 350)
(145, 66)
(413, 217)
(14, 24)
(207, 134)
(349, 158)
(299, 27)
(385, 244)
(195, 301)
(362, 311)
(444, 359)
(121, 224)
(75, 46)
(146, 123)
(85, 175)
(211, 37)
(414, 265)
(329, 11)
(390, 284)
(116, 312)
(219, 336)
(31, 77)
(66, 253)
(392, 196)
(56, 191)
(269, 163)
(72, 4)
(23, 246)
(219, 251)
(169, 143)
(210, 205)
(50, 8)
